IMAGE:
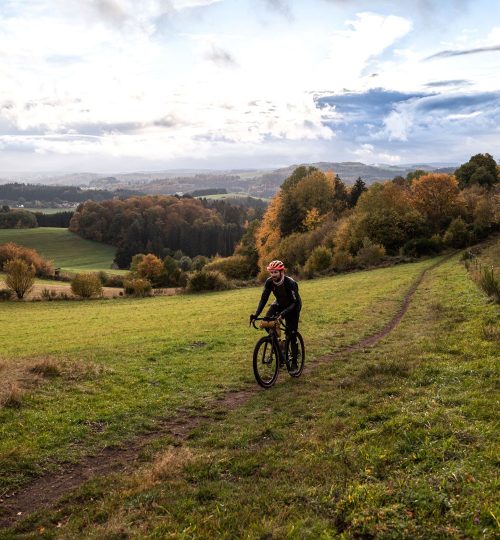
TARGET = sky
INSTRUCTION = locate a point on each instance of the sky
(147, 85)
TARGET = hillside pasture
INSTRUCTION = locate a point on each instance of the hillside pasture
(65, 249)
(395, 440)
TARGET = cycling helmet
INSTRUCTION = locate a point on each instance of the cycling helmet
(275, 265)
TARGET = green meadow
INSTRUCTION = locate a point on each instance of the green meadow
(65, 249)
(395, 441)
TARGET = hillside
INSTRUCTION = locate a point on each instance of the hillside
(388, 436)
(66, 250)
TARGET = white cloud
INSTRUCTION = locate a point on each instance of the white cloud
(366, 37)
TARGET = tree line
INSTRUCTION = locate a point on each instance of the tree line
(162, 224)
(21, 193)
(315, 223)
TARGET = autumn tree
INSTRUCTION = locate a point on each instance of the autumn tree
(437, 197)
(20, 276)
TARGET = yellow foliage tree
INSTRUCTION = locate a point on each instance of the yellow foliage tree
(268, 235)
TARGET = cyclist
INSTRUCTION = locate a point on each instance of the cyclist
(287, 304)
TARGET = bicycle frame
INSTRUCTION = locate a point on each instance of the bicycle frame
(283, 358)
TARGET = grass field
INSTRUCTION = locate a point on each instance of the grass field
(51, 210)
(67, 250)
(397, 441)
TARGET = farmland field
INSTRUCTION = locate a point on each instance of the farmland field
(67, 250)
(396, 440)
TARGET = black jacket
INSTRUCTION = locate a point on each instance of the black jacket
(292, 302)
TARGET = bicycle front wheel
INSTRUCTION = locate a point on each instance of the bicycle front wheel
(265, 362)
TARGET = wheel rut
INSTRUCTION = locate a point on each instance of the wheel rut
(46, 490)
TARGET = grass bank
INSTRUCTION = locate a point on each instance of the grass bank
(65, 249)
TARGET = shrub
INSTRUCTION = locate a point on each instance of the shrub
(457, 235)
(320, 259)
(114, 280)
(370, 253)
(233, 267)
(6, 294)
(421, 246)
(20, 276)
(86, 285)
(172, 275)
(207, 280)
(342, 260)
(46, 294)
(198, 262)
(137, 287)
(10, 251)
(185, 263)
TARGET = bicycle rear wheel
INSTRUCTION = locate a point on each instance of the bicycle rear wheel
(265, 362)
(300, 356)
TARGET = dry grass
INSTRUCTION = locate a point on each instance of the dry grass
(46, 367)
(169, 464)
(12, 397)
(20, 374)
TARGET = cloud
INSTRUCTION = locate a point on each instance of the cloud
(449, 54)
(280, 6)
(366, 37)
(453, 82)
(221, 57)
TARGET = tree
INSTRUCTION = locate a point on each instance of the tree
(438, 198)
(415, 175)
(357, 189)
(481, 169)
(151, 268)
(20, 276)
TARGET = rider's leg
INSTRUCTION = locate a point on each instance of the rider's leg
(292, 325)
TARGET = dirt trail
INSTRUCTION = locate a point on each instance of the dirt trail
(46, 490)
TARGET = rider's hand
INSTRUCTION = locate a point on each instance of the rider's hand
(252, 318)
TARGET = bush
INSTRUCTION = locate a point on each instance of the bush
(172, 275)
(114, 280)
(207, 280)
(233, 267)
(137, 287)
(370, 253)
(11, 251)
(20, 276)
(86, 285)
(457, 235)
(421, 246)
(320, 260)
(6, 294)
(342, 260)
(198, 262)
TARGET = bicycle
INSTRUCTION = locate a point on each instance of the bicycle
(268, 355)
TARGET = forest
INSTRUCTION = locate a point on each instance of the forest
(163, 224)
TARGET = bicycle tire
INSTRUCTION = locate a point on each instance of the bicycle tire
(265, 361)
(301, 356)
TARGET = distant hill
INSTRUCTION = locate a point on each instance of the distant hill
(254, 182)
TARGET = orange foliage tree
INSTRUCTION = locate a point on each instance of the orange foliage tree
(438, 198)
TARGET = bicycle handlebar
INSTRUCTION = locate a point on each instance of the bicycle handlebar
(252, 322)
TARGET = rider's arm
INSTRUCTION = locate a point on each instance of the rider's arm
(264, 298)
